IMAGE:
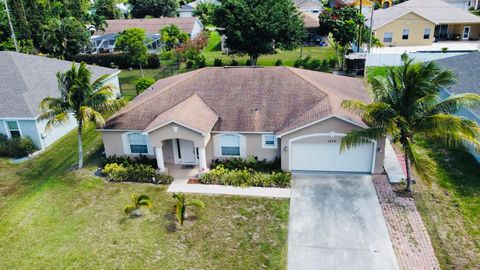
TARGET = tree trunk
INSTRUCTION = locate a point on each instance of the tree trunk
(409, 172)
(141, 70)
(80, 148)
(253, 60)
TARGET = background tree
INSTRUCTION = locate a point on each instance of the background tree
(154, 8)
(407, 107)
(107, 9)
(172, 36)
(79, 97)
(132, 42)
(64, 38)
(257, 27)
(205, 12)
(341, 25)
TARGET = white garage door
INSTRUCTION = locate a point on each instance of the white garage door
(324, 156)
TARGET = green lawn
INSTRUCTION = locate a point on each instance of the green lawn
(450, 208)
(212, 51)
(52, 217)
(127, 79)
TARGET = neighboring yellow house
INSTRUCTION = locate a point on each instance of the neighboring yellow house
(420, 23)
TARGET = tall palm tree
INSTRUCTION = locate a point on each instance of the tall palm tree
(79, 97)
(406, 105)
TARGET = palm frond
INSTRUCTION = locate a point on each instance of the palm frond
(454, 103)
(144, 200)
(423, 164)
(55, 120)
(361, 137)
(88, 114)
(355, 106)
(129, 209)
(197, 203)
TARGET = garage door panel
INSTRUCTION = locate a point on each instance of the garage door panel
(321, 156)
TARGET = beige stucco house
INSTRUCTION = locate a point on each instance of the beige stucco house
(219, 113)
(420, 23)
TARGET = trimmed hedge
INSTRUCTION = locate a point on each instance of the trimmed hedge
(112, 60)
(16, 148)
(246, 177)
(251, 162)
(126, 160)
(141, 173)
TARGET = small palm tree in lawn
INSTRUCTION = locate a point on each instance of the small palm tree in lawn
(137, 202)
(407, 106)
(83, 99)
(182, 204)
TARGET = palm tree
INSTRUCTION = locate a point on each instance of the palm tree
(79, 97)
(407, 106)
(137, 202)
(182, 204)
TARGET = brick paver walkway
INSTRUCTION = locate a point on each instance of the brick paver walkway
(410, 239)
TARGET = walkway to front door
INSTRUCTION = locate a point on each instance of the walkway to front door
(336, 223)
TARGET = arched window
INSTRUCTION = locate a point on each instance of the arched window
(137, 143)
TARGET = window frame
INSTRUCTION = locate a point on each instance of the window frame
(269, 146)
(427, 36)
(391, 37)
(9, 131)
(220, 145)
(405, 36)
(127, 145)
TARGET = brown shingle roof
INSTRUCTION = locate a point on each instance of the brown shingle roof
(192, 112)
(151, 26)
(273, 99)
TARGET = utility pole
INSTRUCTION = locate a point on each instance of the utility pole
(11, 26)
(360, 27)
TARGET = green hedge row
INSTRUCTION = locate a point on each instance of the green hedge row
(141, 173)
(16, 148)
(112, 60)
(246, 178)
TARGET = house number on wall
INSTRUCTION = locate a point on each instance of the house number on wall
(332, 141)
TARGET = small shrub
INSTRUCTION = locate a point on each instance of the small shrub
(133, 210)
(251, 162)
(246, 177)
(279, 62)
(248, 62)
(200, 61)
(142, 173)
(217, 62)
(166, 55)
(143, 83)
(189, 64)
(182, 204)
(126, 160)
(298, 62)
(115, 172)
(332, 62)
(234, 63)
(16, 148)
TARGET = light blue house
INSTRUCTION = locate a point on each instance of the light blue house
(24, 81)
(467, 68)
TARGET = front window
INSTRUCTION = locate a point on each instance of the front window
(269, 141)
(137, 143)
(13, 129)
(387, 37)
(405, 34)
(426, 33)
(230, 145)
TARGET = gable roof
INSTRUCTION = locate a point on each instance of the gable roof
(466, 68)
(245, 99)
(193, 112)
(310, 20)
(435, 11)
(26, 79)
(151, 26)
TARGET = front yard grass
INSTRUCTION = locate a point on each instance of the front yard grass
(450, 208)
(52, 217)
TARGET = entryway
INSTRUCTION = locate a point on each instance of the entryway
(466, 32)
(185, 152)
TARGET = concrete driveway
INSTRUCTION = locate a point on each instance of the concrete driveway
(336, 223)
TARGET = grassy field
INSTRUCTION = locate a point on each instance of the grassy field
(52, 217)
(450, 208)
(212, 51)
(127, 79)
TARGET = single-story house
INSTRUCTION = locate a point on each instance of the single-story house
(466, 68)
(420, 23)
(187, 10)
(104, 40)
(24, 81)
(224, 112)
(309, 6)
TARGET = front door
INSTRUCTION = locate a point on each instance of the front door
(186, 152)
(466, 32)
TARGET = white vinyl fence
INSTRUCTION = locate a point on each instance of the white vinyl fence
(381, 59)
